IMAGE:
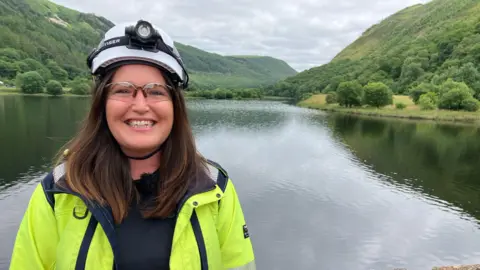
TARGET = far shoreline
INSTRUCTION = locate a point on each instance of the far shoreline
(6, 91)
(412, 112)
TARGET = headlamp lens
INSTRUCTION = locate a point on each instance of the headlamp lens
(144, 31)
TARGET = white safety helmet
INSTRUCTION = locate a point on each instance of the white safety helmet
(139, 42)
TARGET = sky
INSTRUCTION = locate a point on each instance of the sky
(304, 33)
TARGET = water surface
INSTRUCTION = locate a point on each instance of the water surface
(318, 191)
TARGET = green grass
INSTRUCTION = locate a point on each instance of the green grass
(275, 98)
(9, 91)
(410, 112)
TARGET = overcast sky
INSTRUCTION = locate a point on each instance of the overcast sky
(304, 33)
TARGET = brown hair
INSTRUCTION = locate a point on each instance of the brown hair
(98, 170)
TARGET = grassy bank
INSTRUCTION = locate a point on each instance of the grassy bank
(14, 91)
(410, 112)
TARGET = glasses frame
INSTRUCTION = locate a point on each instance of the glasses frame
(169, 89)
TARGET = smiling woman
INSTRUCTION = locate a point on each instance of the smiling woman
(130, 190)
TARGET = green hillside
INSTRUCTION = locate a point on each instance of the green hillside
(38, 35)
(416, 50)
(210, 70)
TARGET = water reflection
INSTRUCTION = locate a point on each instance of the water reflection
(32, 130)
(312, 204)
(437, 159)
(318, 191)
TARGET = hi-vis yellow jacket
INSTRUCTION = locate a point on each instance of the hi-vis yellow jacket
(61, 231)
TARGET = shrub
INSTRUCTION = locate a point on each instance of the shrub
(421, 89)
(377, 94)
(220, 94)
(452, 100)
(54, 88)
(30, 82)
(400, 105)
(208, 94)
(428, 101)
(470, 104)
(331, 98)
(80, 89)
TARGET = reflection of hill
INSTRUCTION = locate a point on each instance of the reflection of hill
(32, 129)
(439, 160)
(207, 114)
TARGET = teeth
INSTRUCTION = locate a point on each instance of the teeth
(140, 123)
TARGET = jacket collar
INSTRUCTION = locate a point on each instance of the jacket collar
(204, 184)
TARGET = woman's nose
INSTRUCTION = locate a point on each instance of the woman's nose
(139, 102)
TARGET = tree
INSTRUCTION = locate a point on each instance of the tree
(451, 84)
(454, 99)
(80, 89)
(377, 94)
(331, 98)
(30, 82)
(7, 69)
(428, 101)
(469, 74)
(421, 89)
(350, 94)
(54, 88)
(33, 65)
(57, 72)
(410, 73)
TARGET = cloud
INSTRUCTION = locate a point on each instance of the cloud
(304, 33)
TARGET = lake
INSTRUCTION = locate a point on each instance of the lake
(319, 191)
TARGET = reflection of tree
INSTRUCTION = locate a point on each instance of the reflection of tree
(32, 131)
(233, 114)
(440, 160)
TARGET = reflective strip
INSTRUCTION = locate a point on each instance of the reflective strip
(248, 266)
(58, 172)
(213, 172)
(217, 176)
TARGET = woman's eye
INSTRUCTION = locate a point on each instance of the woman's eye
(122, 91)
(156, 92)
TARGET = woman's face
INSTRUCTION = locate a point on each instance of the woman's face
(140, 125)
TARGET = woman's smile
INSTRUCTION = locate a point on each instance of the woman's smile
(141, 125)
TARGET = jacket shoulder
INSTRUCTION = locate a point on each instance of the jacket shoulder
(49, 182)
(218, 174)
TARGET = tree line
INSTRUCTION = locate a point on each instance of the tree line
(225, 93)
(31, 76)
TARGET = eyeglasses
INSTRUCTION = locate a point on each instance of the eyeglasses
(126, 91)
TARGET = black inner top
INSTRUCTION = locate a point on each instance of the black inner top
(144, 243)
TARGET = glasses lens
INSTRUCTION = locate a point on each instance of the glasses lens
(121, 91)
(157, 92)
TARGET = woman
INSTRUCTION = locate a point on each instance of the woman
(130, 191)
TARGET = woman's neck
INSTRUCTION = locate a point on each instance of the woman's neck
(139, 167)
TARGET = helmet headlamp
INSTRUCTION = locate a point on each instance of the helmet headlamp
(143, 31)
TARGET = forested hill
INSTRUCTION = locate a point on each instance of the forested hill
(417, 48)
(38, 35)
(210, 70)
